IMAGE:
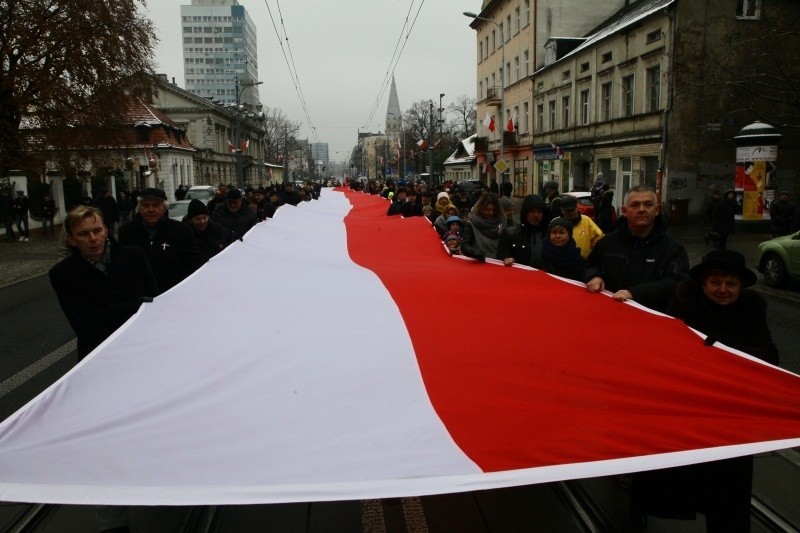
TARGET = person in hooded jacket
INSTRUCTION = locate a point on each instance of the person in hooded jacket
(485, 224)
(723, 218)
(211, 237)
(560, 253)
(523, 243)
(718, 303)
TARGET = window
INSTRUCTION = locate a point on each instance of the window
(494, 40)
(606, 57)
(748, 9)
(508, 73)
(565, 75)
(584, 107)
(584, 66)
(480, 89)
(605, 99)
(508, 28)
(540, 117)
(516, 68)
(627, 95)
(527, 12)
(653, 88)
(480, 51)
(527, 63)
(565, 111)
(524, 124)
(516, 20)
(551, 111)
(654, 36)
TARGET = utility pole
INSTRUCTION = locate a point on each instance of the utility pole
(441, 129)
(430, 147)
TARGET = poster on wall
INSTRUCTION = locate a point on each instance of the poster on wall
(755, 177)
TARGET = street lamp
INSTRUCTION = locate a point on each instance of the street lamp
(502, 79)
(238, 148)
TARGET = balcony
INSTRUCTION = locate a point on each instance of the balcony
(493, 97)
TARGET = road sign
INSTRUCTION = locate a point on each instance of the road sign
(501, 165)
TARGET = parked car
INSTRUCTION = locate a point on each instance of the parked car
(178, 209)
(779, 259)
(585, 205)
(201, 192)
(468, 185)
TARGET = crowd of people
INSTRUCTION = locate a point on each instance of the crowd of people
(633, 258)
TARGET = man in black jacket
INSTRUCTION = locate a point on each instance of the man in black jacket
(102, 284)
(638, 261)
(169, 245)
(7, 213)
(235, 214)
(211, 237)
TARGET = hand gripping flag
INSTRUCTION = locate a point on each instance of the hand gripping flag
(381, 400)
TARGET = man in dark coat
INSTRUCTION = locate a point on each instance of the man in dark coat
(101, 284)
(169, 245)
(7, 213)
(782, 213)
(523, 243)
(48, 213)
(110, 209)
(235, 215)
(289, 195)
(723, 218)
(638, 261)
(21, 209)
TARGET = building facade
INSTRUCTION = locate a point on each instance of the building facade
(219, 46)
(653, 93)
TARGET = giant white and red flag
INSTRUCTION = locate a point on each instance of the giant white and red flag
(323, 358)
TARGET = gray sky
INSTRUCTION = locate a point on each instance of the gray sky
(342, 51)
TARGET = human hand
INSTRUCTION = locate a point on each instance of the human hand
(622, 296)
(595, 284)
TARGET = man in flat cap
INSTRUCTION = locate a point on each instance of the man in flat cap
(169, 245)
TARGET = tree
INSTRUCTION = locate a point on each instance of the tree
(68, 63)
(464, 123)
(278, 131)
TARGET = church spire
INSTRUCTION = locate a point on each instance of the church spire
(393, 114)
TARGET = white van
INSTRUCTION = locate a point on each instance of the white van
(201, 192)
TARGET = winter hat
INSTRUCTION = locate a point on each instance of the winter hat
(568, 201)
(452, 236)
(152, 192)
(505, 202)
(452, 219)
(563, 222)
(196, 207)
(233, 194)
(442, 195)
(726, 260)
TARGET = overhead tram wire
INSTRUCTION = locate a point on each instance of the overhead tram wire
(292, 73)
(393, 62)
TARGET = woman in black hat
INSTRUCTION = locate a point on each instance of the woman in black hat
(718, 303)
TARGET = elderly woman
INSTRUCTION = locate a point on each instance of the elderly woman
(718, 303)
(485, 224)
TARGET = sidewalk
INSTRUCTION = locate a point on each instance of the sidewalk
(20, 261)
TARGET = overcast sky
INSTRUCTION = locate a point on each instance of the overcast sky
(342, 50)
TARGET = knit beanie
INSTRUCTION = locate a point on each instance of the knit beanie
(196, 207)
(563, 222)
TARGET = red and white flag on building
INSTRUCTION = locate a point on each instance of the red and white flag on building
(245, 145)
(186, 416)
(231, 146)
(489, 122)
(423, 144)
(513, 123)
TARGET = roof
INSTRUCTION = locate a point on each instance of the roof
(625, 17)
(465, 152)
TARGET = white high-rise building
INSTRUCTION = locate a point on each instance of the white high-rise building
(219, 45)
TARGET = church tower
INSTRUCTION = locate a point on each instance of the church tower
(394, 118)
